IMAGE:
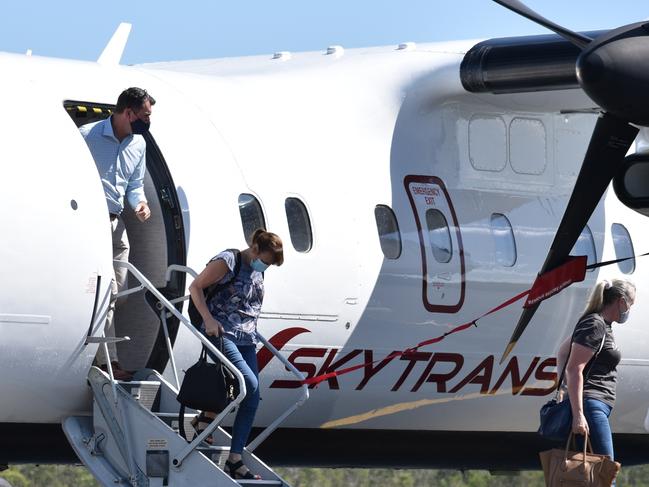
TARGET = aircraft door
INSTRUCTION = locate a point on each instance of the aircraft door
(440, 241)
(56, 256)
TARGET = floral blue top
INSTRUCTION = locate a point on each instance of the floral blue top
(237, 307)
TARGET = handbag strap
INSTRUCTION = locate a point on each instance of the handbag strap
(181, 421)
(592, 362)
(563, 369)
(219, 346)
(587, 446)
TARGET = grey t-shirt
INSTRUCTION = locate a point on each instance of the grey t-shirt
(600, 374)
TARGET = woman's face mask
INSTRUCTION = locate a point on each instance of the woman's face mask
(624, 315)
(259, 265)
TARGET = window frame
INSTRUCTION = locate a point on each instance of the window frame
(632, 261)
(382, 238)
(592, 244)
(498, 261)
(435, 250)
(305, 208)
(261, 212)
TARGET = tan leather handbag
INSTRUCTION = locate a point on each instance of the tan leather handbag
(565, 468)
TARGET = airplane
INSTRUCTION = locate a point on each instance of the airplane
(415, 186)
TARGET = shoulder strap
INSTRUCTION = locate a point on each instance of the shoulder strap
(563, 370)
(235, 272)
(601, 345)
(237, 262)
(592, 361)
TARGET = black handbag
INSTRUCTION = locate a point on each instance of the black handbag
(556, 417)
(556, 420)
(206, 387)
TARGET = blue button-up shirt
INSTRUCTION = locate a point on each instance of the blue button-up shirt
(121, 165)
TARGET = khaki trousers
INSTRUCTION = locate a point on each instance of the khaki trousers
(118, 283)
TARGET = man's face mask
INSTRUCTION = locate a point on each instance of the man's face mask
(139, 126)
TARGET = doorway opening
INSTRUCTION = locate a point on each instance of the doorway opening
(154, 245)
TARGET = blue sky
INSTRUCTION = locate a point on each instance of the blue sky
(190, 29)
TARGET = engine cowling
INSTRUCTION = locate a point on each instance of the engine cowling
(631, 184)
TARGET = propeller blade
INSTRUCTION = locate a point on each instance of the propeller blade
(608, 146)
(520, 8)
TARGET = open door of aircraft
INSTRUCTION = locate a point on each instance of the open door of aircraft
(57, 243)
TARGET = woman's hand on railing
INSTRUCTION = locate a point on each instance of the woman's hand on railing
(213, 327)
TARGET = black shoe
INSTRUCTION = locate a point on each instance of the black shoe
(233, 470)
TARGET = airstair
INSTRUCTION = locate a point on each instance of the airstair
(132, 437)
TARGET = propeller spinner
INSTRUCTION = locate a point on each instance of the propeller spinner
(612, 71)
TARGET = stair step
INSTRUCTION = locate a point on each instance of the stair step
(214, 453)
(209, 450)
(217, 454)
(260, 482)
(171, 420)
(146, 392)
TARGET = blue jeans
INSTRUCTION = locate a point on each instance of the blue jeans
(597, 414)
(244, 358)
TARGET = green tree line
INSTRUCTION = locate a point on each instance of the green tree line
(71, 476)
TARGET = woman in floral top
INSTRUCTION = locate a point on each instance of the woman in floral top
(232, 313)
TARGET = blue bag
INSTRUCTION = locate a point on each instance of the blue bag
(556, 420)
(556, 417)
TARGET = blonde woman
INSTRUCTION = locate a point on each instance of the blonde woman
(593, 356)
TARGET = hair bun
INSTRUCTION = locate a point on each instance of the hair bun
(607, 284)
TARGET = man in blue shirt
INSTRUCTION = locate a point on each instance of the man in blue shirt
(119, 151)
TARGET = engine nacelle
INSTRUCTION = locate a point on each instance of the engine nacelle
(631, 184)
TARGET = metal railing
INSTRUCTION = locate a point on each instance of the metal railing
(145, 283)
(167, 308)
(301, 400)
(305, 390)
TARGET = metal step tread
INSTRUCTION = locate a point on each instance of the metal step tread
(146, 392)
(166, 416)
(171, 420)
(213, 449)
(260, 482)
(219, 454)
(138, 382)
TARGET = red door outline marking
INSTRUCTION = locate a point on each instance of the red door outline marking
(437, 308)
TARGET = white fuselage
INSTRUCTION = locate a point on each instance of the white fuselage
(343, 133)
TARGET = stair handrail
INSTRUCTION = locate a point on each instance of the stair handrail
(301, 400)
(305, 390)
(145, 283)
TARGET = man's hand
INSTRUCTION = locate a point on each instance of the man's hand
(213, 328)
(142, 211)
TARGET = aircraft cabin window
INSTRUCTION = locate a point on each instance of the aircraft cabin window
(252, 216)
(439, 235)
(623, 248)
(585, 245)
(389, 236)
(504, 241)
(299, 224)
